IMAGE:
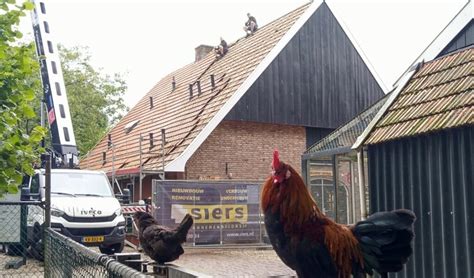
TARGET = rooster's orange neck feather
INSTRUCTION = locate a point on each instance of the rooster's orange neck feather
(296, 207)
(292, 200)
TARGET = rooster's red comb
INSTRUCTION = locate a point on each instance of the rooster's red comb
(276, 160)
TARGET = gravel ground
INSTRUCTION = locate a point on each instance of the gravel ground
(33, 268)
(235, 262)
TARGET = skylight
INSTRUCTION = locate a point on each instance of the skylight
(130, 126)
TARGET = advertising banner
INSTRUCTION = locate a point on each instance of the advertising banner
(223, 212)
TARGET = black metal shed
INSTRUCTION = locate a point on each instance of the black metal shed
(420, 157)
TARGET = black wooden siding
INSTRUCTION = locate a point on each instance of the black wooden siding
(462, 40)
(433, 176)
(318, 80)
(314, 135)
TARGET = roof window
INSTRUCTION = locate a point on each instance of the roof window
(130, 126)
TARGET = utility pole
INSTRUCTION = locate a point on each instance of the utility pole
(113, 165)
(47, 175)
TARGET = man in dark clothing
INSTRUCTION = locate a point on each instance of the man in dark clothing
(251, 25)
(221, 49)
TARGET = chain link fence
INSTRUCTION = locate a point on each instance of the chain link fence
(67, 258)
(21, 244)
(29, 250)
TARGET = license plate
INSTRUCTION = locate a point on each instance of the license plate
(89, 239)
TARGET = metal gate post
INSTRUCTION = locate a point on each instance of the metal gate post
(47, 205)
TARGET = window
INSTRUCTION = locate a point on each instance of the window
(130, 126)
(58, 88)
(43, 8)
(78, 183)
(46, 26)
(50, 47)
(53, 67)
(151, 102)
(61, 111)
(66, 134)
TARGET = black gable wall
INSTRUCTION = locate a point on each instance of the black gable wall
(318, 80)
(462, 40)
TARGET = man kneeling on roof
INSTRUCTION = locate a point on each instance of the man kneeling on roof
(221, 49)
(251, 25)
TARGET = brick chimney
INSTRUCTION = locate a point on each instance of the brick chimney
(202, 50)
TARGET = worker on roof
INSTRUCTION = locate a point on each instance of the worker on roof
(251, 25)
(221, 49)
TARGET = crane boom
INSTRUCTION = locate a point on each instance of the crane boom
(59, 118)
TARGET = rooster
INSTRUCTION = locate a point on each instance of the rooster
(161, 243)
(315, 246)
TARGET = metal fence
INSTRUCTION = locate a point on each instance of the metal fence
(29, 250)
(21, 245)
(67, 258)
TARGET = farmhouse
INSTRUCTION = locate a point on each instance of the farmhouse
(286, 86)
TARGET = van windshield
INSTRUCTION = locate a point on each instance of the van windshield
(80, 184)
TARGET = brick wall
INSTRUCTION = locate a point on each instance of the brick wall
(247, 149)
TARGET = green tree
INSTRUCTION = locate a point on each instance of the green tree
(95, 99)
(19, 148)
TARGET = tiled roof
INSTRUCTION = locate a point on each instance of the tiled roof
(439, 96)
(346, 135)
(173, 110)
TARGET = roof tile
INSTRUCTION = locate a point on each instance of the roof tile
(439, 96)
(173, 110)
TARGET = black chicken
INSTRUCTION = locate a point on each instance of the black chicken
(161, 243)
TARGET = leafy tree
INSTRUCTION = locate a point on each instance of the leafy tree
(19, 148)
(95, 100)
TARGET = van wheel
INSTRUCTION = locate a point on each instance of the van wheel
(37, 248)
(15, 250)
(111, 249)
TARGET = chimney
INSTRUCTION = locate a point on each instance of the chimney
(173, 84)
(201, 51)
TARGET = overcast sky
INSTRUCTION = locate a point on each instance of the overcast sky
(147, 39)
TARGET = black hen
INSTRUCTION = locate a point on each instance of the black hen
(161, 243)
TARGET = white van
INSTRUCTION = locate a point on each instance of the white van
(83, 207)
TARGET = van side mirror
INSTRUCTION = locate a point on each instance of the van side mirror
(124, 198)
(25, 194)
(126, 192)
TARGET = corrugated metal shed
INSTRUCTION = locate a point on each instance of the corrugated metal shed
(439, 96)
(433, 176)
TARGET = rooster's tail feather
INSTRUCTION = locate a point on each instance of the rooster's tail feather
(183, 228)
(385, 240)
